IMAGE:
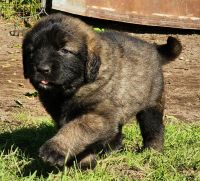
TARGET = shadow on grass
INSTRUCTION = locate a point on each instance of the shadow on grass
(28, 142)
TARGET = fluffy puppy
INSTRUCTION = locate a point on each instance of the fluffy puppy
(92, 84)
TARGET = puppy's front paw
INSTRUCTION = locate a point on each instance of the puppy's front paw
(52, 153)
(88, 162)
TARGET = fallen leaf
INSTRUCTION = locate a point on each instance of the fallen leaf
(21, 85)
(31, 94)
(19, 103)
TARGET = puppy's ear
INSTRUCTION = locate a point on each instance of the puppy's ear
(26, 53)
(93, 61)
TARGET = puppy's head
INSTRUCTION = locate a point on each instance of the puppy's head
(60, 52)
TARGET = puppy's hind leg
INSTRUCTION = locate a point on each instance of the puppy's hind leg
(152, 128)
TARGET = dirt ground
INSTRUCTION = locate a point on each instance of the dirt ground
(182, 78)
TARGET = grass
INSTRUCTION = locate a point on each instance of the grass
(24, 13)
(19, 144)
(21, 8)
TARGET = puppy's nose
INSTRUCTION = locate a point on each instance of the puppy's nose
(45, 69)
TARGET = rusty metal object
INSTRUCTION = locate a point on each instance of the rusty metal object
(167, 13)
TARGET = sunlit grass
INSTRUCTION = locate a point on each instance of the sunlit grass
(21, 8)
(180, 160)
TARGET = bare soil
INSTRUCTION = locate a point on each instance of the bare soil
(182, 78)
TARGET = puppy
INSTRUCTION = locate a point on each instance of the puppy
(92, 84)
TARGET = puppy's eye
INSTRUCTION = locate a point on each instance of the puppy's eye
(64, 51)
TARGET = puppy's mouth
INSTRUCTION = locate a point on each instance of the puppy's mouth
(44, 84)
(47, 85)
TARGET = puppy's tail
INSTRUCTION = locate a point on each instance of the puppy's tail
(171, 50)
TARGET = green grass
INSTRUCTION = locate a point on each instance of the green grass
(21, 12)
(19, 144)
(12, 8)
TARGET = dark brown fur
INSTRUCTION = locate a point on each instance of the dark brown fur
(95, 83)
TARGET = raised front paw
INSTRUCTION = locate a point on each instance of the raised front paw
(52, 153)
